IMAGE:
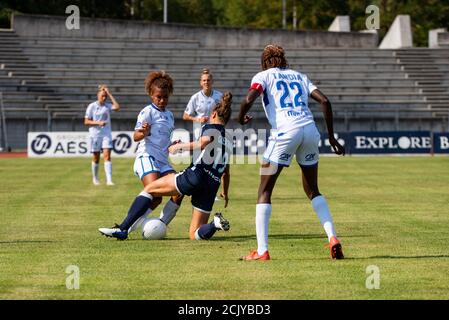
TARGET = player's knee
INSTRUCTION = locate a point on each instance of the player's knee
(177, 199)
(156, 201)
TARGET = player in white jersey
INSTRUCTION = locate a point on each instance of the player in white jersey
(153, 130)
(200, 105)
(285, 100)
(98, 118)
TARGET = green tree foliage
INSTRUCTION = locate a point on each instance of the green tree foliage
(311, 14)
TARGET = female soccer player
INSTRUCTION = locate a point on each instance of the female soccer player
(98, 118)
(201, 179)
(201, 103)
(285, 100)
(153, 129)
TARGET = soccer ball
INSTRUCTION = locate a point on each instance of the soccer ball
(153, 229)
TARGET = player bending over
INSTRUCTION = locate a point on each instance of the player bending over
(201, 180)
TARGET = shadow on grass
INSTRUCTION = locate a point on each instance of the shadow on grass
(242, 238)
(400, 257)
(281, 236)
(26, 241)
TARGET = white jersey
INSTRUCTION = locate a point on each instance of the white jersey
(162, 125)
(97, 112)
(285, 97)
(201, 105)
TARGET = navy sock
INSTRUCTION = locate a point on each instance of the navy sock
(137, 209)
(206, 231)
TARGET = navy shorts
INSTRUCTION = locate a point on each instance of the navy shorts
(196, 183)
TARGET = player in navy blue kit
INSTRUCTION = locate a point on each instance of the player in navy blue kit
(201, 180)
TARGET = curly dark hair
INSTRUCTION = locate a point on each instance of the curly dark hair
(223, 108)
(273, 56)
(159, 79)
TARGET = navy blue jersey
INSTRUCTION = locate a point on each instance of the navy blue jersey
(215, 156)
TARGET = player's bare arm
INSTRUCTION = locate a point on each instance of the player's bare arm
(225, 180)
(188, 117)
(246, 104)
(115, 104)
(141, 133)
(90, 122)
(326, 107)
(189, 146)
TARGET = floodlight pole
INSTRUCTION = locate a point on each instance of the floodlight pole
(295, 21)
(3, 124)
(165, 11)
(284, 15)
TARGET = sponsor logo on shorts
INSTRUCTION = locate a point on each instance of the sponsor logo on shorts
(285, 157)
(310, 157)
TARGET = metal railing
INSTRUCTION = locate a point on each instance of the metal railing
(5, 145)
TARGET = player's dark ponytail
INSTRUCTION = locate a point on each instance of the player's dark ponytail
(223, 108)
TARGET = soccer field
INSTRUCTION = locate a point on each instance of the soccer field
(390, 212)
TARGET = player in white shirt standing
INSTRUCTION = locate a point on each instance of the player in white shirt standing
(154, 126)
(98, 118)
(285, 100)
(200, 105)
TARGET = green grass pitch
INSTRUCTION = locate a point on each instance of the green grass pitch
(389, 212)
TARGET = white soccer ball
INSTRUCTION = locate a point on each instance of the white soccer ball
(153, 229)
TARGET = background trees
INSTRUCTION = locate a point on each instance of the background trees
(310, 14)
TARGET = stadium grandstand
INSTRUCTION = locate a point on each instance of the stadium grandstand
(48, 74)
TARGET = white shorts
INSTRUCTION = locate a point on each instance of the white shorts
(302, 142)
(101, 142)
(144, 165)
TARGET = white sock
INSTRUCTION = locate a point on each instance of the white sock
(321, 208)
(263, 213)
(139, 221)
(95, 170)
(197, 236)
(108, 170)
(169, 212)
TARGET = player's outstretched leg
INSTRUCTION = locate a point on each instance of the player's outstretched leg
(138, 208)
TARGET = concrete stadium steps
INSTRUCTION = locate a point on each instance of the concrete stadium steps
(176, 74)
(191, 65)
(12, 59)
(238, 86)
(60, 75)
(139, 60)
(182, 97)
(96, 43)
(428, 67)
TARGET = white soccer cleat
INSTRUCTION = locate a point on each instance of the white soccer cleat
(110, 183)
(114, 232)
(96, 182)
(220, 222)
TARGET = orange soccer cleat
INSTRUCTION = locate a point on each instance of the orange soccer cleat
(253, 255)
(335, 248)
